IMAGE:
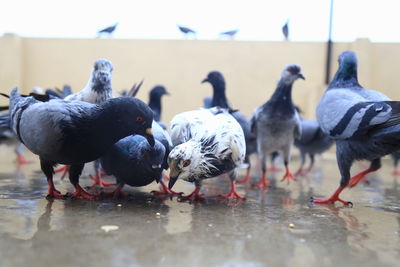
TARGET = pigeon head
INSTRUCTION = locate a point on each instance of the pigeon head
(152, 157)
(158, 91)
(130, 115)
(291, 73)
(102, 70)
(216, 79)
(346, 75)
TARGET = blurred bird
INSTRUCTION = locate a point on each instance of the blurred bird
(285, 31)
(108, 30)
(66, 91)
(216, 79)
(312, 141)
(365, 123)
(75, 132)
(187, 31)
(155, 100)
(276, 123)
(207, 143)
(230, 34)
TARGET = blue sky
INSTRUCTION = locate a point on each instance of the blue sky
(259, 20)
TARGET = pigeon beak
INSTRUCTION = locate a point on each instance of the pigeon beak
(172, 181)
(301, 76)
(205, 80)
(149, 136)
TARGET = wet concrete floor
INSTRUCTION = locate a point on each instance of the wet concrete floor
(274, 227)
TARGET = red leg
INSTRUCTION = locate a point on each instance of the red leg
(117, 193)
(22, 160)
(80, 192)
(288, 175)
(264, 182)
(332, 199)
(99, 181)
(165, 190)
(359, 176)
(232, 194)
(194, 196)
(396, 172)
(299, 172)
(53, 192)
(246, 179)
(165, 176)
(64, 169)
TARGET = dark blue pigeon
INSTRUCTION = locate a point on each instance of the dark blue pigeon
(365, 123)
(75, 132)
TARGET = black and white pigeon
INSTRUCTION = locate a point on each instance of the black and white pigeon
(276, 123)
(312, 141)
(107, 30)
(187, 31)
(75, 132)
(364, 123)
(134, 162)
(285, 31)
(207, 143)
(217, 81)
(155, 100)
(230, 34)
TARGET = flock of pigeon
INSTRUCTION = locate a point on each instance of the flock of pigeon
(126, 139)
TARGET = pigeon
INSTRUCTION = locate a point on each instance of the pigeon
(8, 137)
(216, 79)
(155, 100)
(134, 162)
(75, 132)
(276, 123)
(364, 124)
(312, 141)
(207, 143)
(57, 93)
(97, 90)
(186, 31)
(285, 31)
(108, 30)
(395, 158)
(230, 34)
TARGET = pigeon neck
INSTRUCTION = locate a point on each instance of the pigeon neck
(155, 103)
(219, 97)
(283, 93)
(345, 77)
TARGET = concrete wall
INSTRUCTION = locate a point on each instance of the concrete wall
(251, 69)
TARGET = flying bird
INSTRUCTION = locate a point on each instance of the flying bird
(219, 99)
(364, 123)
(285, 31)
(276, 123)
(311, 142)
(75, 132)
(187, 31)
(230, 34)
(207, 143)
(108, 30)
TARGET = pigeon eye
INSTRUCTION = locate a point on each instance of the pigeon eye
(139, 118)
(186, 163)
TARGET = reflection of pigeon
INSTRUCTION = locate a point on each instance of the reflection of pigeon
(285, 31)
(276, 123)
(208, 143)
(365, 123)
(108, 30)
(187, 31)
(312, 141)
(75, 132)
(219, 99)
(230, 34)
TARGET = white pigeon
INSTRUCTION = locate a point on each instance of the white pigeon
(207, 143)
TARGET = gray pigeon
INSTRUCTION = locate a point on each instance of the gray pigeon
(276, 123)
(75, 132)
(365, 123)
(311, 142)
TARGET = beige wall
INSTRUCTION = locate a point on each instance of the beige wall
(251, 69)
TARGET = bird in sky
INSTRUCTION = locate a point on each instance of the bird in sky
(107, 30)
(187, 31)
